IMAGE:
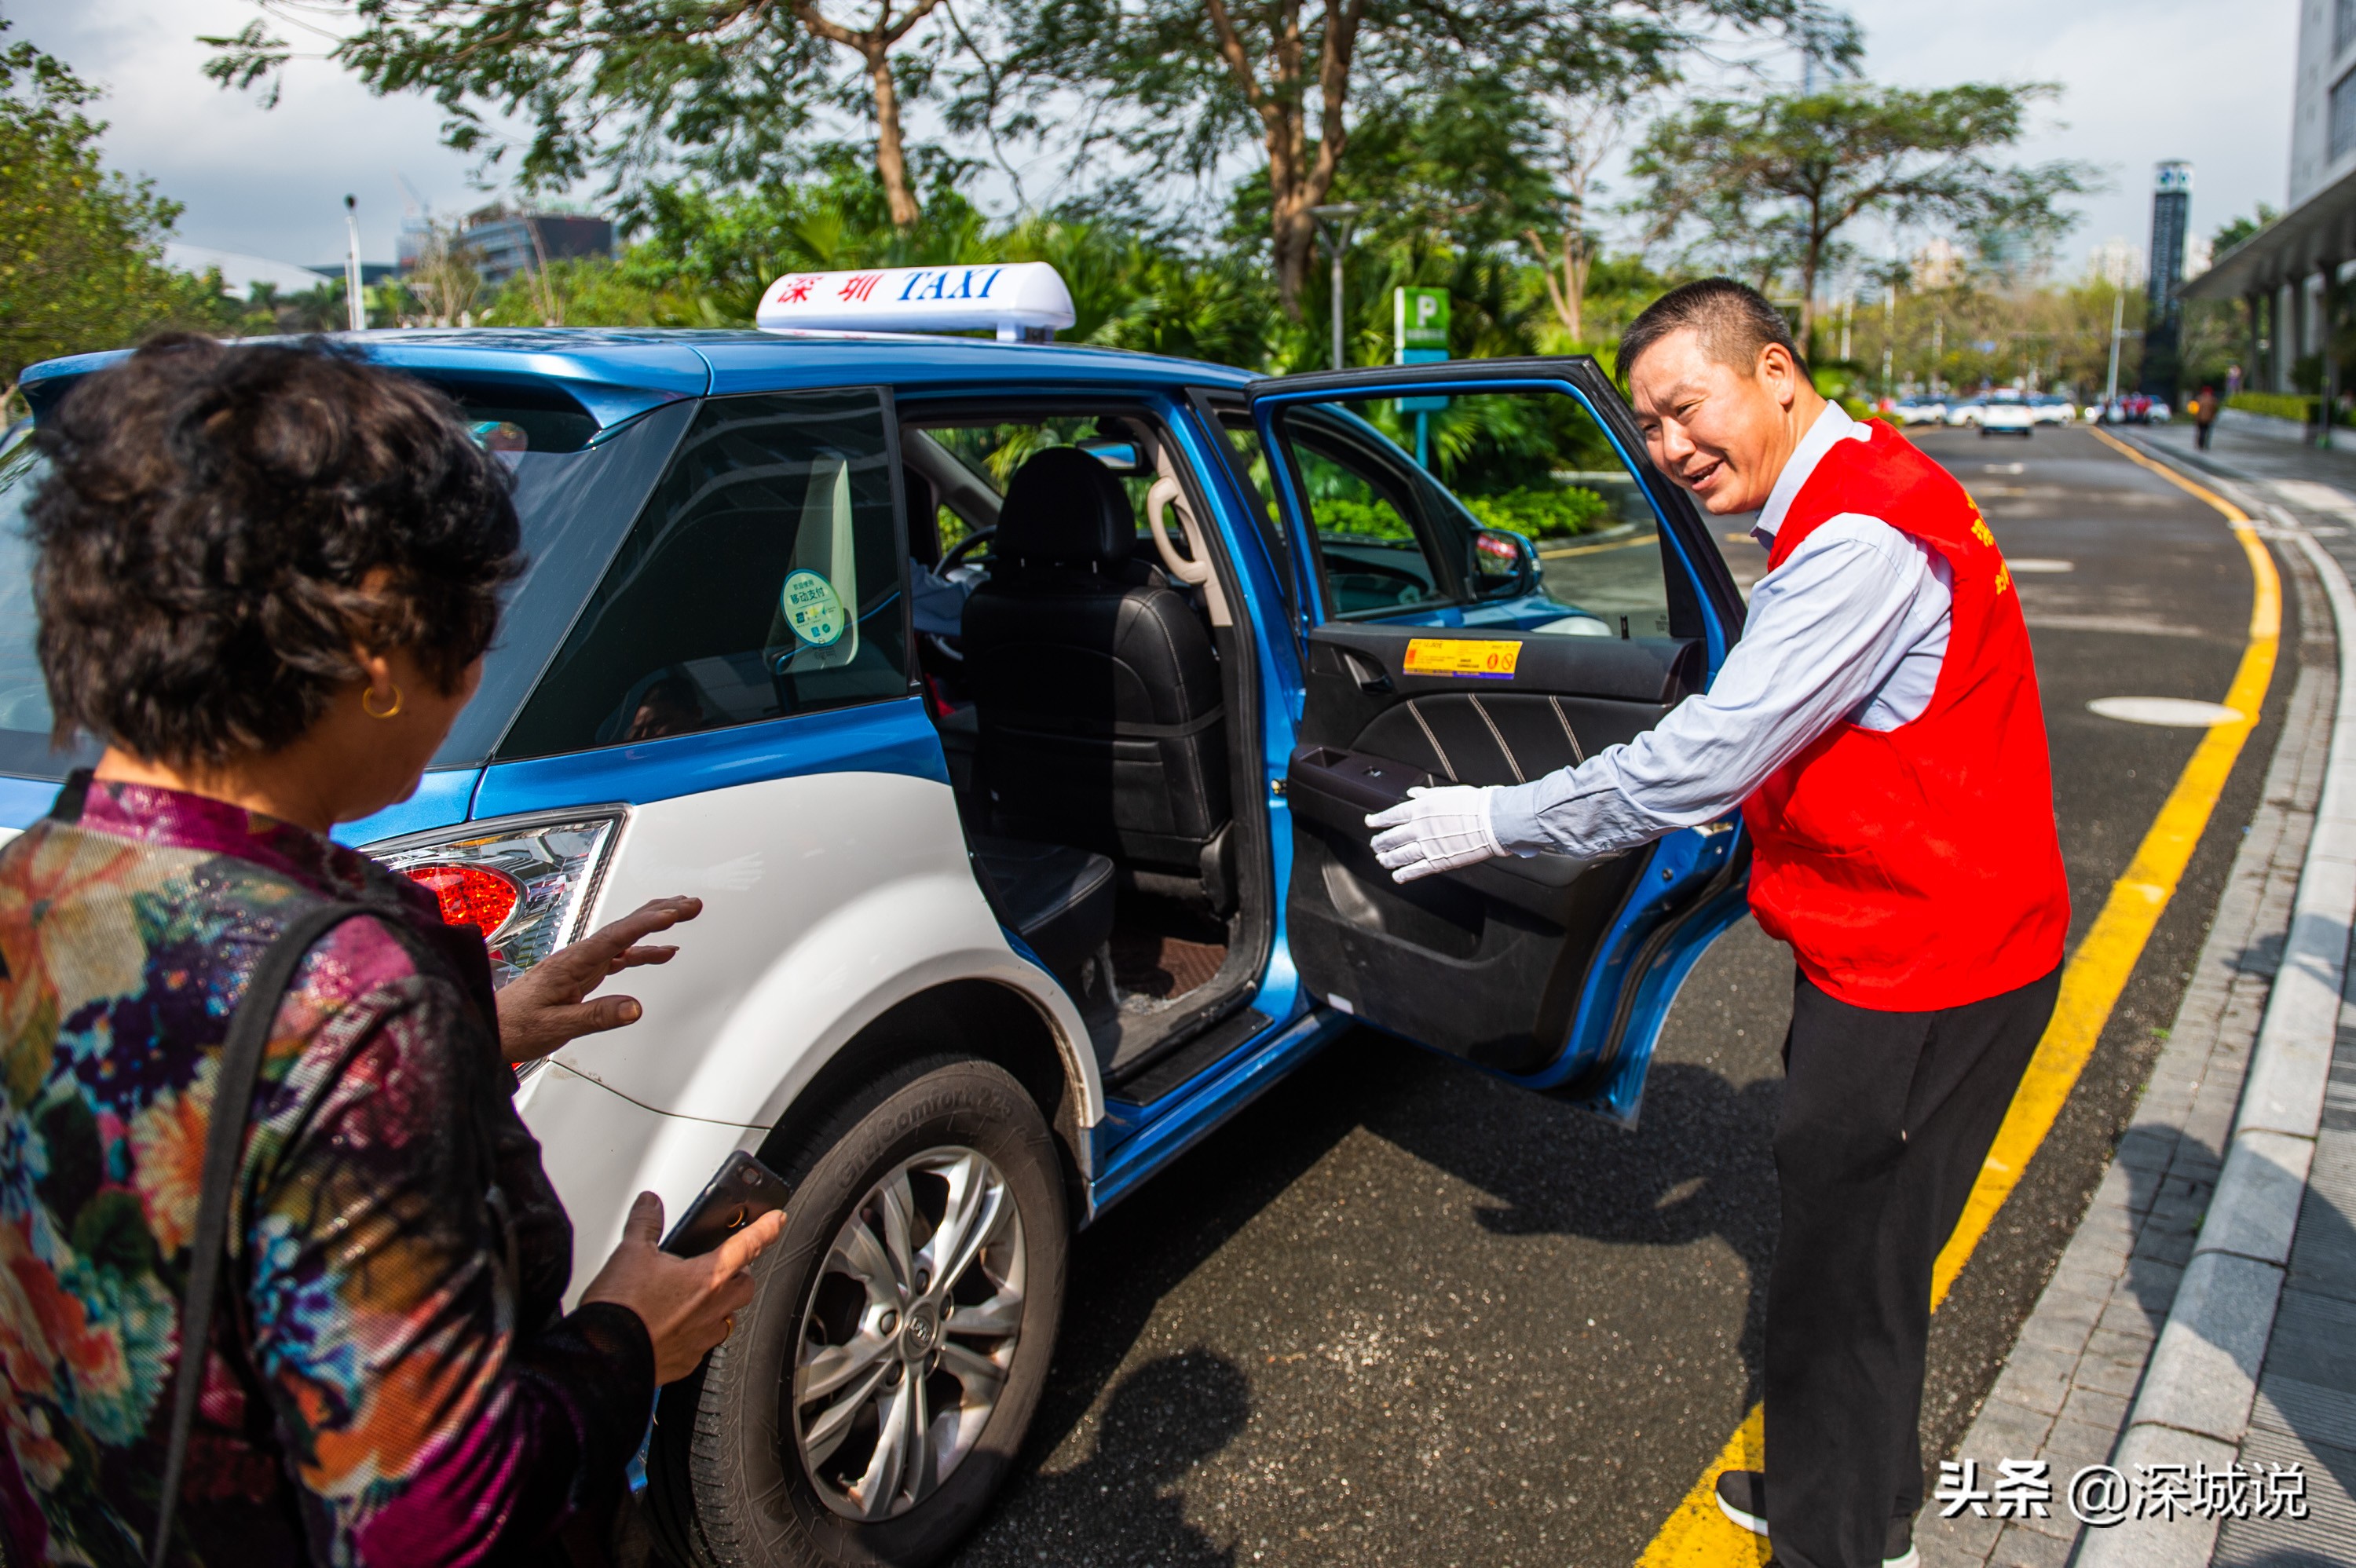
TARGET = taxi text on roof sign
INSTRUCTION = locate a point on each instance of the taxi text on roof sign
(1018, 300)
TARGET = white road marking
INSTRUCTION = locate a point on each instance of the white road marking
(2173, 712)
(2310, 495)
(2125, 625)
(2021, 563)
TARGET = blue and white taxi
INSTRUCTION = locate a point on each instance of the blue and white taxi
(1015, 708)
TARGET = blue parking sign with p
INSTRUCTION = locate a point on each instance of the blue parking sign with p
(1419, 337)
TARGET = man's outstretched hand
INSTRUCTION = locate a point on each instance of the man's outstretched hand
(1435, 830)
(547, 1005)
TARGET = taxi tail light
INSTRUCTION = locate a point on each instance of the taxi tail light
(469, 894)
(529, 881)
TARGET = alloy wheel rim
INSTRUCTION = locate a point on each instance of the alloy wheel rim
(909, 1334)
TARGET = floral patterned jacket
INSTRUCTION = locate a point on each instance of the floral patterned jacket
(388, 1379)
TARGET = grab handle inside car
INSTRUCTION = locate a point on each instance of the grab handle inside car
(1197, 571)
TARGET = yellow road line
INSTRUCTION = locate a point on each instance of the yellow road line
(1697, 1535)
(1596, 549)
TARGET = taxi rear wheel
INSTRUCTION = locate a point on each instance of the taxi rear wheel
(880, 1384)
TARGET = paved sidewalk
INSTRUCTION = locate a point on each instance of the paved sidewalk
(2305, 1413)
(2068, 1386)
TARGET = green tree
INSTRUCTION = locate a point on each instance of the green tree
(1195, 79)
(629, 88)
(2234, 230)
(1771, 183)
(80, 247)
(732, 244)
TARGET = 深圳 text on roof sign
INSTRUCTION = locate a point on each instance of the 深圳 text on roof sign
(1018, 300)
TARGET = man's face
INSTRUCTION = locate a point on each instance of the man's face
(1719, 431)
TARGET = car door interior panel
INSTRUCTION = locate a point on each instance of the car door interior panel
(1517, 933)
(1446, 671)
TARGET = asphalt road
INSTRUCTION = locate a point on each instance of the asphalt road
(1398, 1312)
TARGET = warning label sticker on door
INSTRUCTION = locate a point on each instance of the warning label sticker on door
(1461, 656)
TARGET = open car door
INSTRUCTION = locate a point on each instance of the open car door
(1527, 594)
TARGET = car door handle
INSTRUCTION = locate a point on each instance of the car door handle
(1371, 677)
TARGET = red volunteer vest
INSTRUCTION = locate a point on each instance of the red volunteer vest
(1918, 867)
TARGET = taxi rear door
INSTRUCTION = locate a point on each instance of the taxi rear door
(1440, 647)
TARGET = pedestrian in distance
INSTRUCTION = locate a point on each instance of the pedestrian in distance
(265, 580)
(2204, 416)
(1879, 725)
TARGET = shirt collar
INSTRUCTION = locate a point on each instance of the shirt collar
(1832, 425)
(175, 820)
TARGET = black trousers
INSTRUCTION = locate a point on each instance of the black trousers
(1886, 1120)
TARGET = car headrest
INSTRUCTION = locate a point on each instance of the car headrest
(1063, 507)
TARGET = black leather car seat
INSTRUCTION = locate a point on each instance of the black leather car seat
(1095, 683)
(1058, 899)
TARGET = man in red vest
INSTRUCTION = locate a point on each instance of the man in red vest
(1879, 725)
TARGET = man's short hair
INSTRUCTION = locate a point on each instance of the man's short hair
(1733, 320)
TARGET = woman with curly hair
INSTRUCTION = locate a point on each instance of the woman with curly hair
(266, 578)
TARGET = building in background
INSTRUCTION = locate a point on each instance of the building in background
(2171, 205)
(413, 239)
(2289, 272)
(239, 271)
(2117, 263)
(504, 241)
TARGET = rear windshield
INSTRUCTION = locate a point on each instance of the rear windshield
(574, 508)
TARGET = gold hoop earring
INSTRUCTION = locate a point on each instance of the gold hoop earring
(366, 708)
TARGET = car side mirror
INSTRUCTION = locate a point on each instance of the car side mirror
(1505, 564)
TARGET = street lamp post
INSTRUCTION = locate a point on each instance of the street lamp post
(2118, 325)
(1889, 335)
(355, 307)
(1334, 220)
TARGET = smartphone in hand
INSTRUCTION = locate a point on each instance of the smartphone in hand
(742, 1191)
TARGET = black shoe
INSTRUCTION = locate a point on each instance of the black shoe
(1743, 1498)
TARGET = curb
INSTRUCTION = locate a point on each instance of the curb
(2201, 1383)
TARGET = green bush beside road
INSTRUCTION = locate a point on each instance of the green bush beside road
(1540, 514)
(2277, 405)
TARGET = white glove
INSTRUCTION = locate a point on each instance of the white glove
(1435, 830)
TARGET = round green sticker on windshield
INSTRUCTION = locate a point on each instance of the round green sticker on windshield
(812, 608)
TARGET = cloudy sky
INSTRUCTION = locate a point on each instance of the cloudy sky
(2142, 79)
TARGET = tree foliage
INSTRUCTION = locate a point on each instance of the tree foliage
(630, 89)
(81, 247)
(1771, 184)
(1192, 79)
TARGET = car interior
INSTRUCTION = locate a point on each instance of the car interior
(1088, 690)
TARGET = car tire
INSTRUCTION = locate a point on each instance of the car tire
(730, 1478)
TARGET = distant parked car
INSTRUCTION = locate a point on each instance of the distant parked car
(1920, 411)
(2136, 408)
(2007, 413)
(1966, 410)
(2053, 409)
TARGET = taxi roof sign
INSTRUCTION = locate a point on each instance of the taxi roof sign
(1022, 301)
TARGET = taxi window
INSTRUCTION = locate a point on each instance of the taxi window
(24, 717)
(1364, 504)
(1397, 533)
(764, 577)
(573, 507)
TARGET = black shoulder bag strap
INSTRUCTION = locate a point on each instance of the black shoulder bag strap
(240, 1065)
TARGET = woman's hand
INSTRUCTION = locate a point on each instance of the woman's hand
(688, 1305)
(544, 1007)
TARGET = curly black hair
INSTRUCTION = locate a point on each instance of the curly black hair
(206, 532)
